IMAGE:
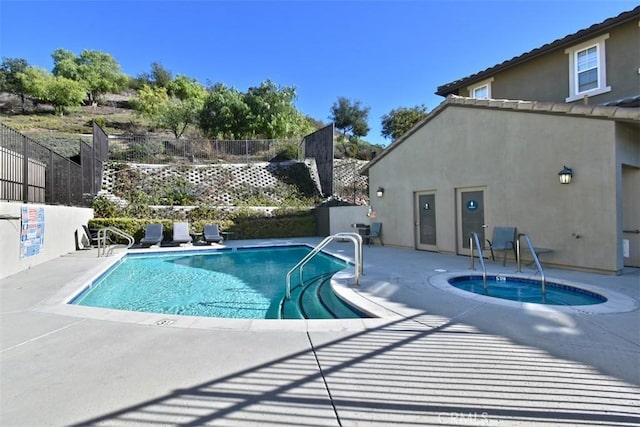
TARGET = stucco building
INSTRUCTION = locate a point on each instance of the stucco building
(491, 153)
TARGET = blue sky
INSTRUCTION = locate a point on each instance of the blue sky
(386, 54)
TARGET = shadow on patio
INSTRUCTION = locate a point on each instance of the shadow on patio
(421, 370)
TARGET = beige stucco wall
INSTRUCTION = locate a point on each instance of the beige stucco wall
(338, 219)
(61, 222)
(516, 157)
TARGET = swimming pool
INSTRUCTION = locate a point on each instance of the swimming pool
(244, 283)
(526, 290)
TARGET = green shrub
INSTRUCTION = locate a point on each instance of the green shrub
(288, 225)
(198, 226)
(104, 208)
(246, 224)
(178, 192)
(288, 151)
(202, 212)
(100, 121)
(132, 226)
(298, 178)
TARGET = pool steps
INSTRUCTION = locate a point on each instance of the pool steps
(316, 300)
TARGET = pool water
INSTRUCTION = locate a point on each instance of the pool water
(245, 283)
(527, 290)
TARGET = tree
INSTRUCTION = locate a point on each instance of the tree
(398, 121)
(273, 114)
(175, 107)
(98, 71)
(316, 123)
(225, 113)
(150, 100)
(351, 118)
(176, 114)
(265, 111)
(60, 92)
(183, 87)
(65, 64)
(9, 77)
(34, 81)
(159, 77)
(63, 93)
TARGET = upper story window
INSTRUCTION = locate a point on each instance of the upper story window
(587, 69)
(481, 90)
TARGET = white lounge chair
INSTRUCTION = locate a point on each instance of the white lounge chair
(181, 233)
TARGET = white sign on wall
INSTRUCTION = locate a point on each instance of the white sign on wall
(31, 231)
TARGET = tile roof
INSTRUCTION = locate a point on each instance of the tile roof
(633, 101)
(593, 111)
(449, 88)
(621, 114)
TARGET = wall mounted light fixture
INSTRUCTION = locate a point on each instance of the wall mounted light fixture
(380, 192)
(565, 175)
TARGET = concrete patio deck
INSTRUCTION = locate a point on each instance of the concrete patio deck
(437, 357)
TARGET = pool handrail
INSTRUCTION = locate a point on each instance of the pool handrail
(357, 243)
(535, 260)
(102, 239)
(473, 239)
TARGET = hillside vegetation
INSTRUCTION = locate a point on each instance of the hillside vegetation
(81, 87)
(62, 133)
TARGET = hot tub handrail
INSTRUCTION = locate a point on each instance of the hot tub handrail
(474, 240)
(535, 259)
(357, 243)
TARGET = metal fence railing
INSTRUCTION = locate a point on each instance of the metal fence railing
(151, 149)
(32, 173)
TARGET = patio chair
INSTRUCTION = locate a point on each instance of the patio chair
(211, 233)
(90, 237)
(503, 239)
(152, 235)
(374, 231)
(181, 233)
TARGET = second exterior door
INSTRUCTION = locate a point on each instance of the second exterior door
(631, 216)
(470, 217)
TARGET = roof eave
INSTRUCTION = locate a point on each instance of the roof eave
(592, 31)
(619, 114)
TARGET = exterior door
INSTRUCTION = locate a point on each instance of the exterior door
(470, 212)
(425, 221)
(630, 216)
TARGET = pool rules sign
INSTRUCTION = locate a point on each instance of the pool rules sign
(32, 231)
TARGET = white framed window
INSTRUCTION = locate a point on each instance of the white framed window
(481, 90)
(587, 69)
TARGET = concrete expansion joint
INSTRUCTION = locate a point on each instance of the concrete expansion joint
(324, 379)
(55, 331)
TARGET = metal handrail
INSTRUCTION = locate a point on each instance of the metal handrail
(102, 239)
(535, 259)
(473, 238)
(357, 243)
